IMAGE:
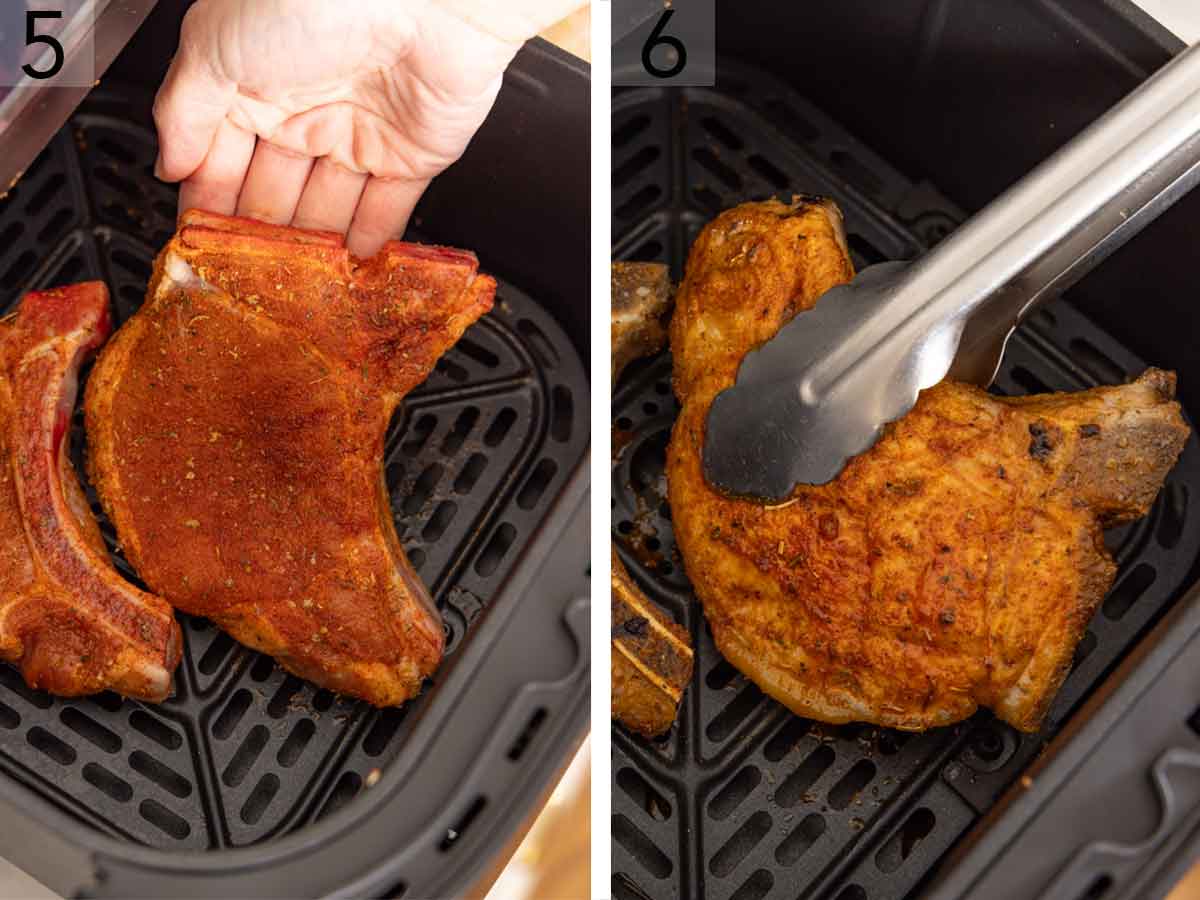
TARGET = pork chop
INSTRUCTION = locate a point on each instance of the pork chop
(651, 655)
(953, 565)
(68, 620)
(237, 424)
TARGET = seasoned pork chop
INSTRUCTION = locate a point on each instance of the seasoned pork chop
(68, 620)
(237, 424)
(651, 655)
(953, 565)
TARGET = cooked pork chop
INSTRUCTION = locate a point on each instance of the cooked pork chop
(953, 565)
(651, 655)
(237, 424)
(68, 620)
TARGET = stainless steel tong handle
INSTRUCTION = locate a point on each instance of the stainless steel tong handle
(1045, 233)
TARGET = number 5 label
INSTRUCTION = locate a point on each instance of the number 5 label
(47, 42)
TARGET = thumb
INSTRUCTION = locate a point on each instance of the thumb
(189, 108)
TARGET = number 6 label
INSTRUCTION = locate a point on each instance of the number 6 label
(664, 47)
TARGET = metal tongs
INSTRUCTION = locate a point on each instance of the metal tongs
(822, 389)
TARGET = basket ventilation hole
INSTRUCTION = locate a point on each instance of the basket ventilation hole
(1097, 888)
(639, 202)
(227, 721)
(21, 266)
(892, 742)
(740, 843)
(738, 710)
(852, 892)
(721, 675)
(631, 129)
(281, 702)
(653, 250)
(9, 235)
(426, 483)
(802, 837)
(108, 701)
(118, 182)
(489, 560)
(1097, 364)
(50, 231)
(262, 668)
(867, 252)
(710, 162)
(797, 784)
(45, 194)
(216, 653)
(474, 351)
(640, 847)
(564, 414)
(900, 846)
(439, 521)
(421, 431)
(58, 750)
(416, 557)
(461, 431)
(786, 117)
(786, 738)
(396, 891)
(161, 817)
(1124, 595)
(323, 700)
(383, 730)
(134, 265)
(739, 787)
(245, 757)
(455, 832)
(629, 169)
(1173, 503)
(343, 792)
(9, 718)
(528, 733)
(452, 370)
(724, 135)
(260, 798)
(541, 345)
(851, 784)
(500, 426)
(755, 887)
(90, 730)
(297, 740)
(643, 794)
(543, 473)
(162, 775)
(112, 786)
(856, 171)
(112, 148)
(769, 171)
(1028, 382)
(470, 473)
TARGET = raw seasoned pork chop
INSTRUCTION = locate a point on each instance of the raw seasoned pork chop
(953, 565)
(237, 424)
(68, 620)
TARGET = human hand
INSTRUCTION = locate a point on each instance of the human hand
(333, 115)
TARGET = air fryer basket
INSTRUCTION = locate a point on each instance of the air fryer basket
(742, 799)
(486, 468)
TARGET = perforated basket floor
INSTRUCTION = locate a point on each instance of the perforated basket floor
(742, 799)
(245, 752)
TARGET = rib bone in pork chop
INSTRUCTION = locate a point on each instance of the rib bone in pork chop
(67, 618)
(953, 565)
(237, 424)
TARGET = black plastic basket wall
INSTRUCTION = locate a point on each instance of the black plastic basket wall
(477, 454)
(742, 799)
